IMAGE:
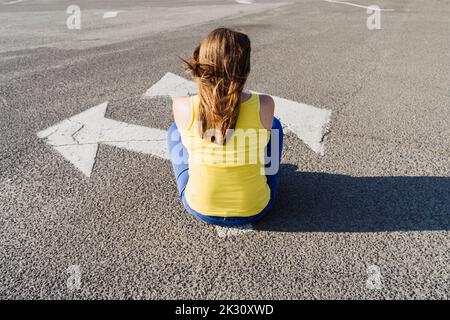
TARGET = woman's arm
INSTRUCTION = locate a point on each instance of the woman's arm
(266, 111)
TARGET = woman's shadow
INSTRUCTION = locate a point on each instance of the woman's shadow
(323, 202)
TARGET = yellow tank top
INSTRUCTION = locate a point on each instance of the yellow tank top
(228, 180)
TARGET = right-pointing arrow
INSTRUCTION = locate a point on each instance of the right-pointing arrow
(78, 137)
(307, 122)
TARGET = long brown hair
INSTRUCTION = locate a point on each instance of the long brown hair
(221, 65)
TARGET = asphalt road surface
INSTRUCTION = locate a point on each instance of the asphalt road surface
(370, 218)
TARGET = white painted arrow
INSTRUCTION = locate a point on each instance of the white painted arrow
(229, 232)
(77, 138)
(307, 122)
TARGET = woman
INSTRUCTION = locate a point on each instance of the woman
(225, 142)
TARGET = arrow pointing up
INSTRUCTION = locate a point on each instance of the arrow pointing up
(307, 122)
(77, 138)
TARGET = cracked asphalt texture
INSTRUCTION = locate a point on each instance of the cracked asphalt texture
(379, 196)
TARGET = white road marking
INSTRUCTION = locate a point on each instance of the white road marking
(77, 138)
(12, 2)
(171, 85)
(244, 1)
(110, 14)
(228, 232)
(358, 5)
(307, 122)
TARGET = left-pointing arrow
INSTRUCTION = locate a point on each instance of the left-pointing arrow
(77, 138)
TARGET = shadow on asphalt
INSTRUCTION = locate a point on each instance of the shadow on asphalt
(322, 202)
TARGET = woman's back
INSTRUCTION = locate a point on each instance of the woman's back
(229, 179)
(218, 141)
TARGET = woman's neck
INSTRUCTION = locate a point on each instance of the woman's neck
(245, 96)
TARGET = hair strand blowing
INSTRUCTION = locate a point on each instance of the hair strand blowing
(220, 64)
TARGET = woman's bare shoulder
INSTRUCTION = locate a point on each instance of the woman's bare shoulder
(182, 111)
(266, 110)
(179, 102)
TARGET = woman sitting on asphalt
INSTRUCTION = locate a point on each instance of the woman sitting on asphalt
(225, 144)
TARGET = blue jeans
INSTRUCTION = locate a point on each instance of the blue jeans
(181, 172)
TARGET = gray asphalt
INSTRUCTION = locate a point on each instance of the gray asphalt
(379, 196)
